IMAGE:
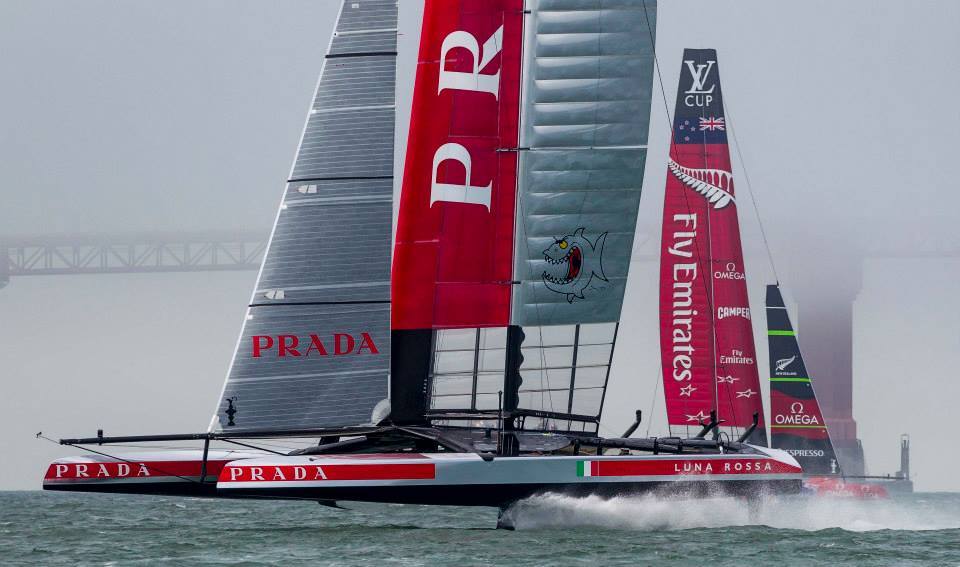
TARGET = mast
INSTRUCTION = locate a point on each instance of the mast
(797, 425)
(314, 351)
(706, 334)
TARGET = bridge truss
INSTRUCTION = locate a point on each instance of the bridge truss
(130, 253)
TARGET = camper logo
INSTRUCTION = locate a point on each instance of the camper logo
(573, 265)
(783, 363)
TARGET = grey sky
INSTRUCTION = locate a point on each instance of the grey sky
(129, 116)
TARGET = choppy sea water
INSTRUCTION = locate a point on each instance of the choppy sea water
(38, 528)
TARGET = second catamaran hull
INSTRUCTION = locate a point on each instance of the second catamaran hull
(460, 479)
(167, 473)
(468, 480)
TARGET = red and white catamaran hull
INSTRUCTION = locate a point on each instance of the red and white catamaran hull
(463, 479)
(157, 472)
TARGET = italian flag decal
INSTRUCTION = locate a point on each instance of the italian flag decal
(584, 468)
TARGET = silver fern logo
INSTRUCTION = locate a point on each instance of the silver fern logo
(716, 185)
(783, 363)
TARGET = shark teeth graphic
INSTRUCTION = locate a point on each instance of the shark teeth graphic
(574, 265)
(711, 183)
(554, 279)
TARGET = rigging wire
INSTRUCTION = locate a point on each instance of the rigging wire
(656, 388)
(746, 178)
(666, 110)
(656, 66)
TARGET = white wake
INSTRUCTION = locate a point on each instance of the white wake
(800, 513)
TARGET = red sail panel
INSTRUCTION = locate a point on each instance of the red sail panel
(738, 382)
(797, 416)
(714, 334)
(453, 256)
(686, 327)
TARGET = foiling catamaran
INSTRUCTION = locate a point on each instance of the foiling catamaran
(474, 371)
(797, 424)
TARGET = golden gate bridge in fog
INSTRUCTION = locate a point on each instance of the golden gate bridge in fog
(130, 253)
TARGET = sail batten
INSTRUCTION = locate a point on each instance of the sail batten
(314, 351)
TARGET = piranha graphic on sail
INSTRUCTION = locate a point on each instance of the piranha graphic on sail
(574, 265)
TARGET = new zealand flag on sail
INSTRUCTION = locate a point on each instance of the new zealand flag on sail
(699, 115)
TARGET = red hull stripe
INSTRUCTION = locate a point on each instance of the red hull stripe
(453, 261)
(294, 473)
(691, 467)
(133, 469)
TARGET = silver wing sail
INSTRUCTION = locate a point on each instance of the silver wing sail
(588, 81)
(314, 351)
(586, 113)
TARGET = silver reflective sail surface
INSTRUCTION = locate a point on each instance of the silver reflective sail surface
(315, 347)
(587, 92)
(586, 111)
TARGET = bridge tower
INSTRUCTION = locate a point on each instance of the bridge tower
(825, 324)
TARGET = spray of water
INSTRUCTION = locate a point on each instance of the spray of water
(651, 512)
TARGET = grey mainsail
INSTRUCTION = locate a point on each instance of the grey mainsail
(314, 351)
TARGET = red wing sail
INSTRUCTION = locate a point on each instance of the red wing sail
(706, 333)
(453, 258)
